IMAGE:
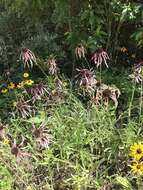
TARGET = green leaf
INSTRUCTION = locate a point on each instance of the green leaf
(124, 182)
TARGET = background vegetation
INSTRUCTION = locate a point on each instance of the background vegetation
(54, 134)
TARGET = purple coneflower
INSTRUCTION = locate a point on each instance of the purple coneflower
(80, 51)
(99, 57)
(23, 107)
(105, 93)
(52, 65)
(137, 74)
(16, 150)
(42, 136)
(28, 57)
(87, 80)
(38, 91)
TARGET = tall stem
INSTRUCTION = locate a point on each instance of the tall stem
(141, 94)
(131, 101)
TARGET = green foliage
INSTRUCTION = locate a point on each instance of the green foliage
(88, 141)
(6, 180)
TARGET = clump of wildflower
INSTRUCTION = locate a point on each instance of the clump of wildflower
(11, 86)
(4, 90)
(28, 82)
(38, 91)
(80, 51)
(99, 57)
(28, 57)
(87, 80)
(52, 65)
(17, 151)
(23, 107)
(26, 75)
(42, 136)
(136, 151)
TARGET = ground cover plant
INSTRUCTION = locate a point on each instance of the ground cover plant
(71, 95)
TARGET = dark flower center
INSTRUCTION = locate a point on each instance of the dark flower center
(138, 167)
(37, 133)
(106, 93)
(139, 151)
(100, 50)
(15, 151)
(24, 50)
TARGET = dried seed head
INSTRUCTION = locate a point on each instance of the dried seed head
(99, 57)
(28, 57)
(80, 51)
(52, 65)
(42, 136)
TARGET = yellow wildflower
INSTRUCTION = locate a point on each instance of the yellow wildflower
(136, 151)
(123, 49)
(11, 85)
(29, 82)
(4, 90)
(20, 85)
(5, 141)
(137, 168)
(25, 75)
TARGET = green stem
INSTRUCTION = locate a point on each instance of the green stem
(141, 93)
(87, 62)
(42, 70)
(131, 101)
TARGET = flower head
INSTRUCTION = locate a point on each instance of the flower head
(23, 107)
(5, 141)
(136, 151)
(26, 75)
(38, 91)
(80, 51)
(87, 80)
(11, 85)
(99, 57)
(52, 65)
(28, 57)
(105, 93)
(17, 150)
(42, 136)
(137, 168)
(20, 85)
(28, 82)
(4, 90)
(123, 49)
(137, 75)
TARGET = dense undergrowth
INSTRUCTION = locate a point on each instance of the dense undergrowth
(71, 95)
